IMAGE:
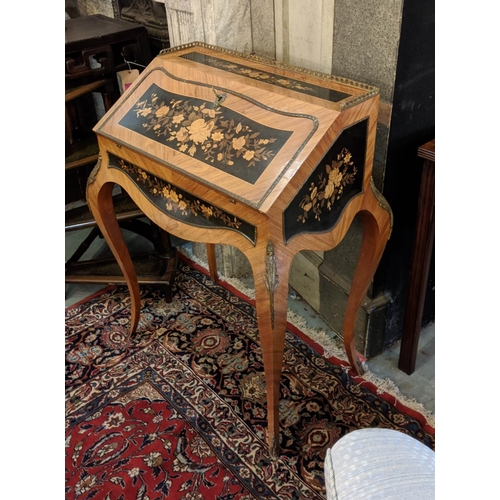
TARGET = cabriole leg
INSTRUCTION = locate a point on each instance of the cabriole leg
(271, 298)
(377, 223)
(100, 201)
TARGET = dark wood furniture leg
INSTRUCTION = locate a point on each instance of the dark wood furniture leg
(165, 251)
(422, 254)
(212, 262)
(156, 267)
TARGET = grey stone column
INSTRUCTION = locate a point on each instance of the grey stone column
(217, 22)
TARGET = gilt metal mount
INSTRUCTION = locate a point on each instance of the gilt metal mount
(271, 277)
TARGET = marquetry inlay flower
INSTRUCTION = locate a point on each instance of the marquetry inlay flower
(178, 119)
(217, 136)
(162, 111)
(198, 129)
(329, 188)
(238, 143)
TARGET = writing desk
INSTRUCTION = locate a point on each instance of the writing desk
(221, 148)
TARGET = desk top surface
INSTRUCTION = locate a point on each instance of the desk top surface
(238, 123)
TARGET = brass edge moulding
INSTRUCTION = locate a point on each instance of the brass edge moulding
(91, 178)
(94, 172)
(383, 203)
(271, 277)
(371, 91)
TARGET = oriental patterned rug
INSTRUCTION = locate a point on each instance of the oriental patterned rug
(179, 410)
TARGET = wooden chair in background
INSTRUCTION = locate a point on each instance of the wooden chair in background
(97, 48)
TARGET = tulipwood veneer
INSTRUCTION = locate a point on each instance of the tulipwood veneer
(222, 148)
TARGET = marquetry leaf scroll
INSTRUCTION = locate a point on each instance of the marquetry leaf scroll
(182, 205)
(267, 77)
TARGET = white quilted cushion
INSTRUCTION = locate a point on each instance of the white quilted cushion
(379, 464)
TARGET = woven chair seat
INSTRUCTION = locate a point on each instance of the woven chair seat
(379, 464)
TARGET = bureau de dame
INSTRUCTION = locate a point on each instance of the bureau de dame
(218, 147)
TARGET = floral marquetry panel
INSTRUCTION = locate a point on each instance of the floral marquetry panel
(335, 181)
(217, 136)
(240, 144)
(267, 77)
(179, 204)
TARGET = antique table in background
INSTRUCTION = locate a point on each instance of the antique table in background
(421, 260)
(222, 148)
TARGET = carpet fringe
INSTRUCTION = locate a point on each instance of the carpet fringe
(318, 335)
(329, 346)
(387, 386)
(331, 349)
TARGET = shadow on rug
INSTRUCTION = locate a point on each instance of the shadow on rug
(179, 410)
